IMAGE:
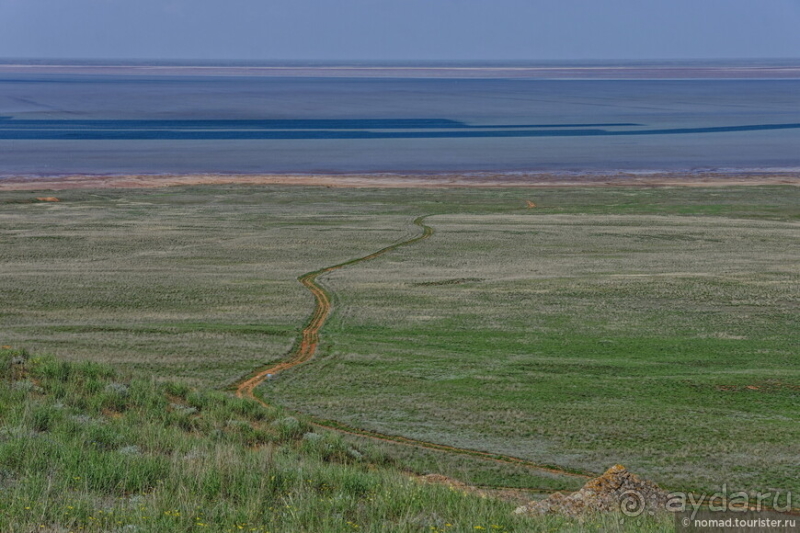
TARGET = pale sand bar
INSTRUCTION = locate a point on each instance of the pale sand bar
(621, 179)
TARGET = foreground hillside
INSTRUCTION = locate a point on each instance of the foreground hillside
(569, 328)
(85, 449)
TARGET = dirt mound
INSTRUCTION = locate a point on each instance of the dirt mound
(616, 490)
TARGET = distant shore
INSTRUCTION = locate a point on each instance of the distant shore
(789, 69)
(388, 180)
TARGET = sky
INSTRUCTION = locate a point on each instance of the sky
(399, 30)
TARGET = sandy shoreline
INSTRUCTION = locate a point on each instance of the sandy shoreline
(688, 70)
(485, 180)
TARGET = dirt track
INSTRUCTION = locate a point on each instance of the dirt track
(307, 343)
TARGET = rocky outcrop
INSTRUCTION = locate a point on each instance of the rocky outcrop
(616, 490)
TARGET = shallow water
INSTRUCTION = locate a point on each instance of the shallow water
(61, 124)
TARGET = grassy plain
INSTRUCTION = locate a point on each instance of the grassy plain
(199, 284)
(84, 448)
(657, 328)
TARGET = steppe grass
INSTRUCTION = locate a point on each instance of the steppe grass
(656, 327)
(666, 343)
(195, 285)
(83, 448)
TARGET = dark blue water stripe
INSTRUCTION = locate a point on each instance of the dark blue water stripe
(292, 124)
(52, 134)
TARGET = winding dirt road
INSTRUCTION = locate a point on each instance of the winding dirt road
(306, 345)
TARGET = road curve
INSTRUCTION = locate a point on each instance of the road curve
(308, 341)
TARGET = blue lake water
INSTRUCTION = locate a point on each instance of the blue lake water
(113, 124)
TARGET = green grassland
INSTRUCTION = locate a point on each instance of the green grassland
(194, 284)
(84, 448)
(587, 341)
(654, 327)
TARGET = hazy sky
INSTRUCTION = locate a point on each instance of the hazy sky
(399, 29)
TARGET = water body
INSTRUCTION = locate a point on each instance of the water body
(99, 122)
